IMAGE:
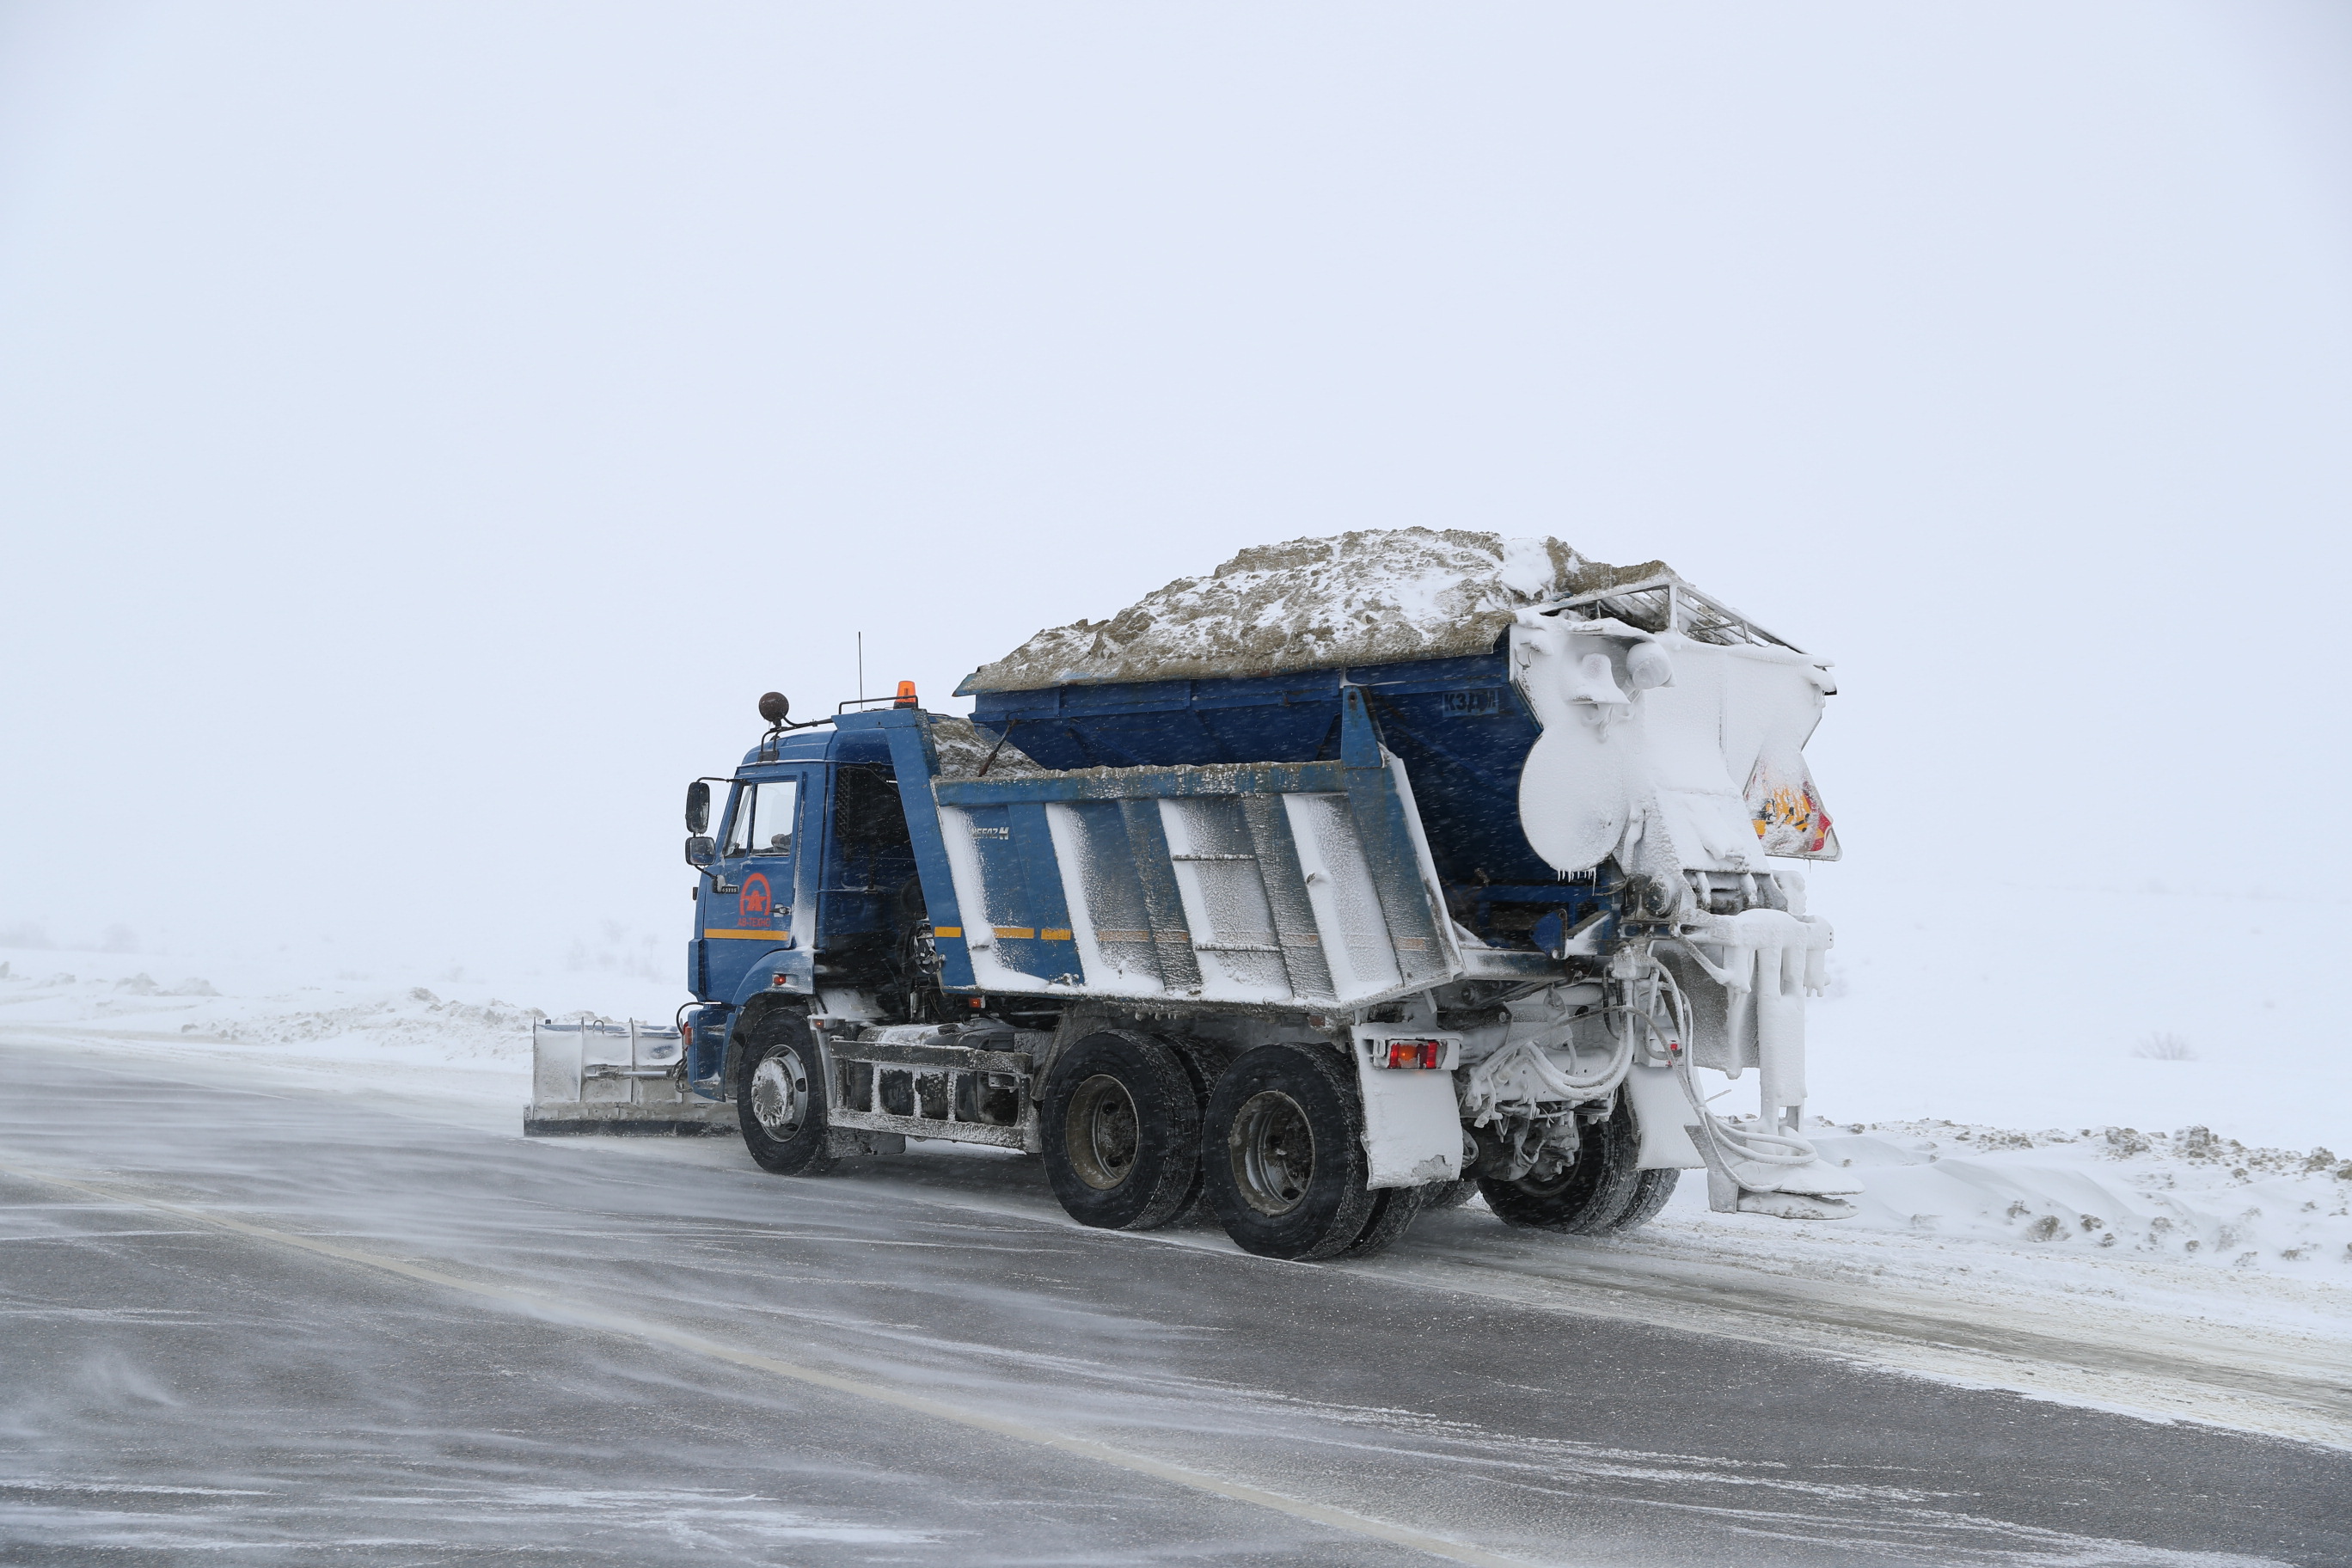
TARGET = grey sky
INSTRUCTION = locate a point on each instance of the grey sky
(425, 429)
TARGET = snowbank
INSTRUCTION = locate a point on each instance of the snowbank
(343, 1028)
(2189, 1195)
(1312, 604)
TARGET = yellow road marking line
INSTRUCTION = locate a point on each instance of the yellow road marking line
(581, 1313)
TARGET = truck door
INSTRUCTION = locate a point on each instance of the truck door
(750, 913)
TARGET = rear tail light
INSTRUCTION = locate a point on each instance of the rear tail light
(1413, 1053)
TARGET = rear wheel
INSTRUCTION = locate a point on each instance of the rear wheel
(1121, 1125)
(1283, 1155)
(1393, 1211)
(1650, 1195)
(1449, 1194)
(1591, 1196)
(781, 1100)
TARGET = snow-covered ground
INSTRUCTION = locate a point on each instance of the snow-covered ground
(2027, 1123)
(461, 1043)
(2022, 1165)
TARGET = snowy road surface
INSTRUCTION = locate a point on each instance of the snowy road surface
(264, 1324)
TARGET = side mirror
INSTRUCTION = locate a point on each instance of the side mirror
(701, 852)
(698, 806)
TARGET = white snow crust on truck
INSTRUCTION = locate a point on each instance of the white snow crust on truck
(1677, 753)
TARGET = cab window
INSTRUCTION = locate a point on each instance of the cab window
(762, 820)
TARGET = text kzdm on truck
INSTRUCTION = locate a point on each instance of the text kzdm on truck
(1316, 948)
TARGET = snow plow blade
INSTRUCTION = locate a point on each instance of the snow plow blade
(592, 1076)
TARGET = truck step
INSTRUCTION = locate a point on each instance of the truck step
(965, 1059)
(930, 1127)
(920, 1081)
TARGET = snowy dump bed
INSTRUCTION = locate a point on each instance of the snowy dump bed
(1270, 884)
(1374, 596)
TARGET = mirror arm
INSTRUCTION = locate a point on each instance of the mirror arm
(719, 883)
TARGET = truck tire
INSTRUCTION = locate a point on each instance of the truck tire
(1204, 1060)
(1393, 1211)
(1650, 1195)
(1283, 1154)
(1121, 1125)
(1449, 1194)
(1590, 1196)
(780, 1101)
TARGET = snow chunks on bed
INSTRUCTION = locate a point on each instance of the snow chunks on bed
(1366, 598)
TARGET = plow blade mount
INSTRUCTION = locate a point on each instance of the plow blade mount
(592, 1077)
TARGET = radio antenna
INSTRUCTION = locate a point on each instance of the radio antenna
(861, 666)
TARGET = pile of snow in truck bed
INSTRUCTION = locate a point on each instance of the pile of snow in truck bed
(1366, 598)
(963, 752)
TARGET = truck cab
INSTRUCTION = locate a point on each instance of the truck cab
(809, 885)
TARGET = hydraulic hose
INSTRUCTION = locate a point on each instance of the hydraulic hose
(1732, 1143)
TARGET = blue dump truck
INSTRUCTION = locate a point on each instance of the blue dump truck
(1315, 950)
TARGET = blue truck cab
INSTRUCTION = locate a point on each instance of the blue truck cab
(810, 869)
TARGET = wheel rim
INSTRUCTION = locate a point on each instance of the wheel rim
(779, 1092)
(1273, 1152)
(1555, 1183)
(1583, 1167)
(1102, 1132)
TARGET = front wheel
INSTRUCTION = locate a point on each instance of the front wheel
(1282, 1153)
(780, 1101)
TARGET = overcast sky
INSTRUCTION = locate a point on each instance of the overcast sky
(425, 430)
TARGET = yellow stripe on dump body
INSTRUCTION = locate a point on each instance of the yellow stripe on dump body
(768, 936)
(1054, 933)
(947, 931)
(1010, 931)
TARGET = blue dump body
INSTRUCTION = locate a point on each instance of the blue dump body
(1461, 728)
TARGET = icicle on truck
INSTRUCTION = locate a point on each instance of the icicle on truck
(1317, 949)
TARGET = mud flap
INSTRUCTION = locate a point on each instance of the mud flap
(1413, 1123)
(1660, 1114)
